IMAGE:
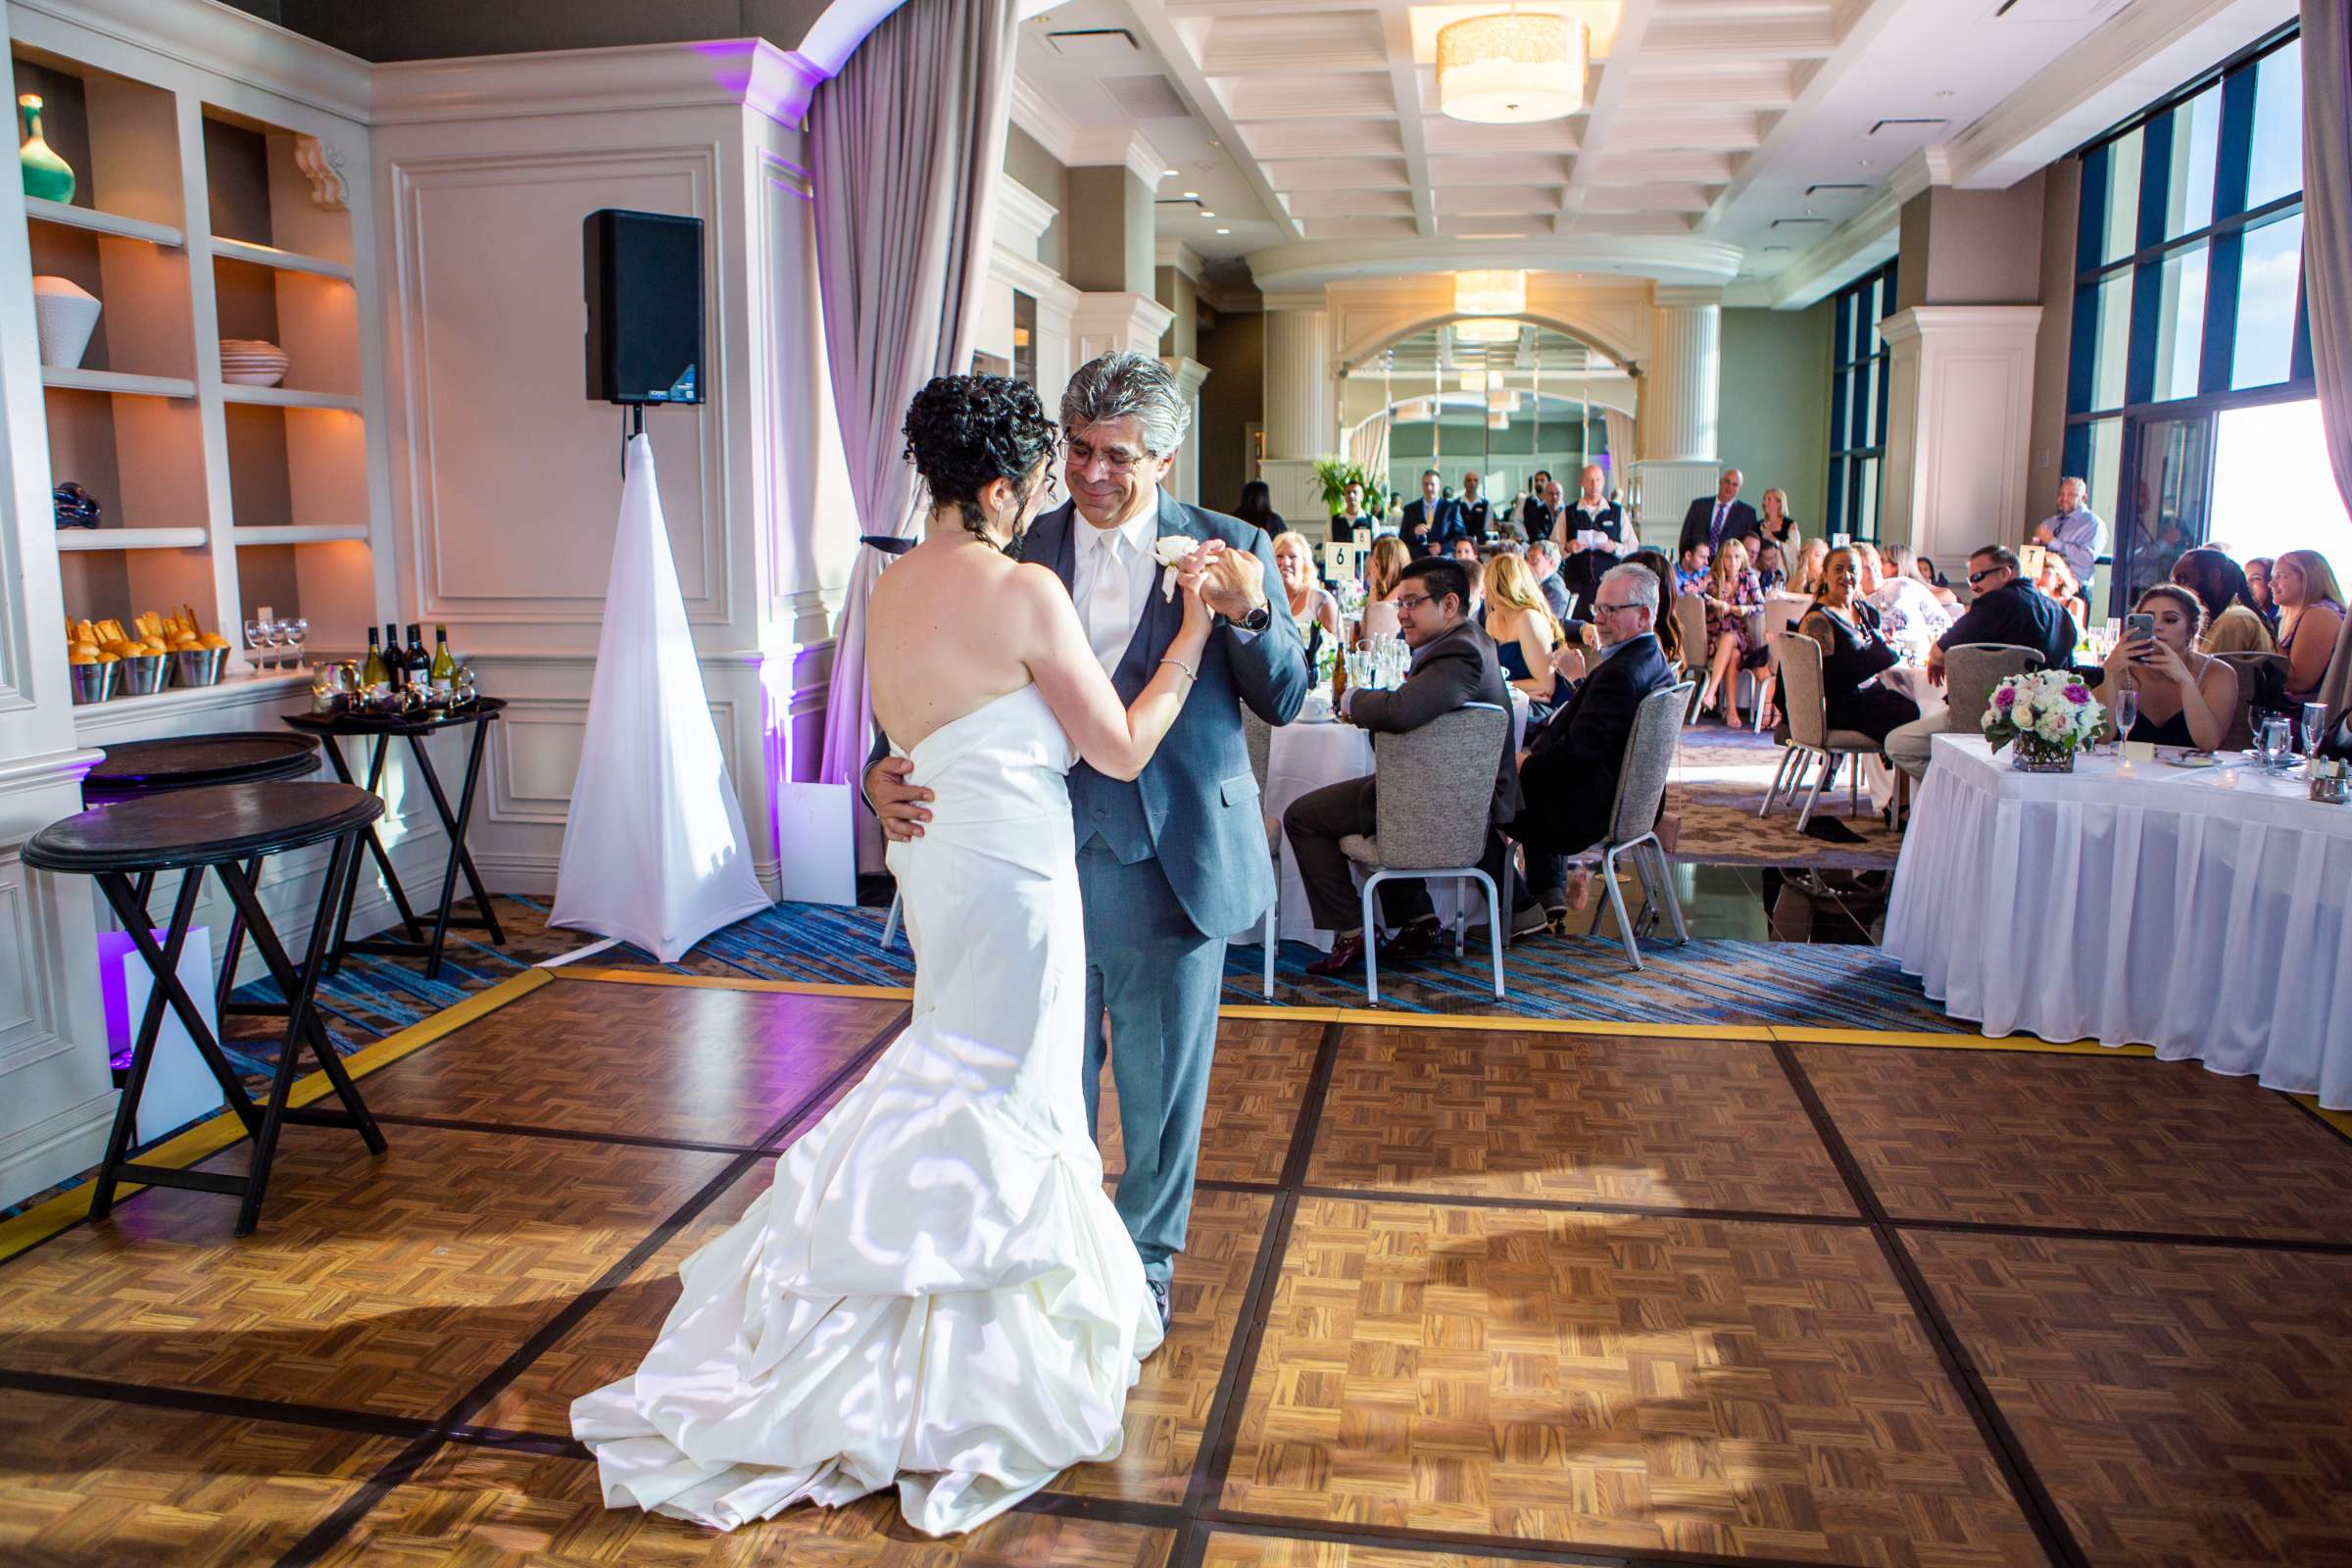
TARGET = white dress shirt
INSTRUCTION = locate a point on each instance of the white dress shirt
(1110, 626)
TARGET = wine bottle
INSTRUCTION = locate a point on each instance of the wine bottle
(419, 662)
(396, 669)
(371, 671)
(443, 672)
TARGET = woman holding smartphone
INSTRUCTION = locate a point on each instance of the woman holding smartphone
(2186, 699)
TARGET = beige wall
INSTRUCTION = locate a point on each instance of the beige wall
(2062, 190)
(1179, 294)
(1108, 221)
(1971, 247)
(1232, 345)
(1775, 419)
(1028, 162)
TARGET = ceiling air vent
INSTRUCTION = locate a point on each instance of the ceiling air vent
(1906, 127)
(2055, 10)
(1798, 223)
(1147, 97)
(1812, 192)
(1094, 43)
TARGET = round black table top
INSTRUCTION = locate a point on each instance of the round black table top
(201, 826)
(184, 762)
(422, 722)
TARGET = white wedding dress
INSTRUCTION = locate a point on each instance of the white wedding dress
(936, 1292)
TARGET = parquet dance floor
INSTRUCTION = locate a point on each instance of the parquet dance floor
(1456, 1294)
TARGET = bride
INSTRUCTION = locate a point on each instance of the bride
(936, 1292)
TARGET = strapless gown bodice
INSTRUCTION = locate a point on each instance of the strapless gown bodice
(936, 1292)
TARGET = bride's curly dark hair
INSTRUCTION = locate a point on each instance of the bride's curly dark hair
(963, 431)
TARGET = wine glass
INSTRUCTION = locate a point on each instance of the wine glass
(257, 638)
(296, 631)
(2127, 713)
(2315, 728)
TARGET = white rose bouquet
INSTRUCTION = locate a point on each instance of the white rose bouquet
(2043, 716)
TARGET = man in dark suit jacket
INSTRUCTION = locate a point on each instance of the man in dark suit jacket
(1569, 773)
(1432, 523)
(1539, 512)
(1726, 516)
(1453, 665)
(1478, 514)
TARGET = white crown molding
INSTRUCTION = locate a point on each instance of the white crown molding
(1673, 296)
(1097, 146)
(749, 72)
(1665, 258)
(1947, 323)
(1189, 373)
(1043, 119)
(1052, 292)
(1022, 215)
(1181, 256)
(220, 39)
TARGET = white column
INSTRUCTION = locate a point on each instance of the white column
(1109, 322)
(1184, 482)
(1959, 413)
(1303, 421)
(1680, 410)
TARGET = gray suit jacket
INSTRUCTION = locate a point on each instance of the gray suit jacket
(1199, 798)
(1447, 672)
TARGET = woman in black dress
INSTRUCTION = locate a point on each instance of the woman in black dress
(1853, 652)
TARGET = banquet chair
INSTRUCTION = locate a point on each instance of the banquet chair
(1970, 671)
(1690, 614)
(1420, 832)
(1781, 613)
(1633, 825)
(1806, 702)
(1258, 736)
(2254, 672)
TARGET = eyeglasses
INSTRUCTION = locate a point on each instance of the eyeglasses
(1119, 460)
(1603, 610)
(1405, 602)
(1976, 577)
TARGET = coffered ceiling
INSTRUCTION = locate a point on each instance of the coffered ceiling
(1760, 144)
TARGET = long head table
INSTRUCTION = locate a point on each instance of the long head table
(2200, 910)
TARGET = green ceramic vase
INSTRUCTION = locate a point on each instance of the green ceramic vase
(46, 176)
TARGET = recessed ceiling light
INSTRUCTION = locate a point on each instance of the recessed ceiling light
(1170, 174)
(1224, 231)
(1205, 212)
(1192, 195)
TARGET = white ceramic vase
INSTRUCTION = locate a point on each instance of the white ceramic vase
(64, 315)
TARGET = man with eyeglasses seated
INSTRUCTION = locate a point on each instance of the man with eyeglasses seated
(1453, 665)
(2006, 609)
(1568, 775)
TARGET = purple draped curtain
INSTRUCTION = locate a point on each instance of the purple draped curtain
(2328, 259)
(908, 144)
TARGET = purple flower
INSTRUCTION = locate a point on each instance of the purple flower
(2077, 693)
(2004, 698)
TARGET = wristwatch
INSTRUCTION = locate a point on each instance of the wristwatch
(1257, 619)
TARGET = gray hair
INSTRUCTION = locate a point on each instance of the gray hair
(1644, 581)
(1117, 386)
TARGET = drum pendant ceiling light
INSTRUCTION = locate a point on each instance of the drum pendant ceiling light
(1489, 299)
(1512, 69)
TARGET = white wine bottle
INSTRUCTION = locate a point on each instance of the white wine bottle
(444, 673)
(371, 671)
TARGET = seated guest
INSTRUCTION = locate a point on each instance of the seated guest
(1853, 652)
(1465, 551)
(1477, 518)
(1904, 561)
(1453, 664)
(1690, 572)
(1431, 522)
(2185, 698)
(1313, 609)
(1258, 506)
(2310, 614)
(2057, 580)
(1521, 628)
(1732, 593)
(1543, 564)
(1570, 769)
(2006, 609)
(1384, 567)
(1777, 527)
(1805, 575)
(1538, 513)
(1351, 521)
(2258, 583)
(2233, 623)
(1908, 614)
(1670, 638)
(1772, 571)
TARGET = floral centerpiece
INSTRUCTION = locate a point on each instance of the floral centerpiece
(2043, 716)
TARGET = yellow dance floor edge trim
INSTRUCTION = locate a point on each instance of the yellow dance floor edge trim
(721, 982)
(2341, 1120)
(70, 1208)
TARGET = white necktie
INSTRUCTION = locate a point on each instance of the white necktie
(1109, 624)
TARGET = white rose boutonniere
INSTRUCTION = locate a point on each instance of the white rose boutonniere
(1171, 549)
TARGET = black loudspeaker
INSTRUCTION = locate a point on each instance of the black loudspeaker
(643, 276)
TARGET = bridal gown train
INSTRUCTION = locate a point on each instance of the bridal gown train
(936, 1292)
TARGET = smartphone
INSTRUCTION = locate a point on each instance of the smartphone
(2139, 625)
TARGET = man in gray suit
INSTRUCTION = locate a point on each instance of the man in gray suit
(1174, 862)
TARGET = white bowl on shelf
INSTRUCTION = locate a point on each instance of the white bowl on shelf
(64, 315)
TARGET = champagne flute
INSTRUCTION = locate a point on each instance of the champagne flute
(2127, 712)
(2315, 728)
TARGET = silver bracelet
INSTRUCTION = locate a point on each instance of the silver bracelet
(1188, 672)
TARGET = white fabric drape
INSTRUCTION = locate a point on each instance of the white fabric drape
(654, 847)
(2328, 259)
(1368, 444)
(1620, 427)
(2166, 907)
(908, 147)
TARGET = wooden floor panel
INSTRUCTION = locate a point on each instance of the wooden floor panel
(1610, 1381)
(1255, 1087)
(2088, 1141)
(89, 1484)
(488, 1508)
(386, 1284)
(2184, 1405)
(1229, 1550)
(689, 1063)
(1572, 1118)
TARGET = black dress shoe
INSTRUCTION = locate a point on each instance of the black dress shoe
(1161, 1300)
(1412, 941)
(1347, 953)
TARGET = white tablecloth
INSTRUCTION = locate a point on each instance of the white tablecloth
(2207, 912)
(1305, 756)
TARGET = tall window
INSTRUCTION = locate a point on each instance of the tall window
(2191, 347)
(1858, 405)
